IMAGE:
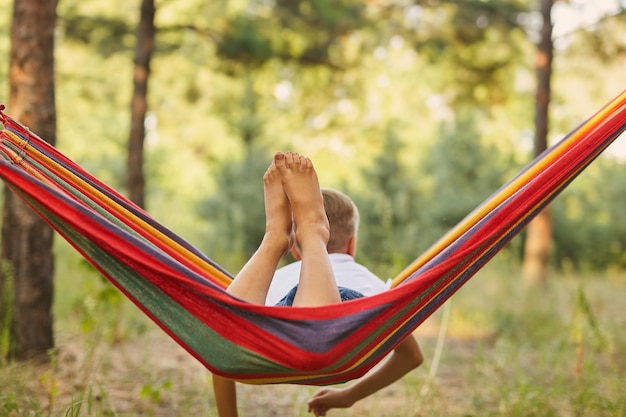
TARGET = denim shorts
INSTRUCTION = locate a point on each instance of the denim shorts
(346, 294)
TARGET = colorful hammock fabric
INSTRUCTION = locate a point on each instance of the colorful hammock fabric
(183, 291)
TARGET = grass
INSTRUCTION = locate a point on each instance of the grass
(495, 349)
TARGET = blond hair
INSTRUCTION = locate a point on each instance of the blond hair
(343, 217)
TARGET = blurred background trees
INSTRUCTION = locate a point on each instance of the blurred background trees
(536, 261)
(26, 258)
(419, 110)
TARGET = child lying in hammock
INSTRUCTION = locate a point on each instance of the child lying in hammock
(293, 196)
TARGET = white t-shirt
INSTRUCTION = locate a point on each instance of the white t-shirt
(348, 274)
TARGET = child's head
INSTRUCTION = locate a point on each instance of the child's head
(343, 217)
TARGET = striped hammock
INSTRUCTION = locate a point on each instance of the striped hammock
(184, 292)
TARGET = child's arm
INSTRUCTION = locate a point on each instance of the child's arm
(405, 357)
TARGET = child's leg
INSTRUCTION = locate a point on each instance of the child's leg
(253, 281)
(225, 392)
(317, 284)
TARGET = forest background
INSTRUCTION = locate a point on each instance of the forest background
(419, 110)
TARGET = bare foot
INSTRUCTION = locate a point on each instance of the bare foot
(254, 279)
(278, 222)
(301, 185)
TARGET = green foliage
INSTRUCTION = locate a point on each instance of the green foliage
(600, 42)
(318, 26)
(6, 309)
(9, 405)
(478, 49)
(406, 208)
(307, 33)
(236, 210)
(107, 35)
(527, 353)
(589, 232)
(584, 321)
(5, 27)
(390, 209)
(242, 114)
(153, 392)
(244, 42)
(461, 172)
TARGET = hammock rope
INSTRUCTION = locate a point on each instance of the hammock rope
(183, 291)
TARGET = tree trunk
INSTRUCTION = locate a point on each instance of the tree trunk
(27, 259)
(539, 233)
(139, 103)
